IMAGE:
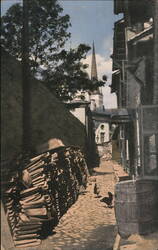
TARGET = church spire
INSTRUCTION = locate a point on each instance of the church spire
(94, 65)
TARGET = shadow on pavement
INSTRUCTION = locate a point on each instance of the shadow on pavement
(102, 238)
(101, 173)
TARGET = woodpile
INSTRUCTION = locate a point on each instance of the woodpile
(41, 190)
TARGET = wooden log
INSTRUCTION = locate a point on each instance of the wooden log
(12, 220)
(9, 207)
(37, 175)
(38, 182)
(27, 227)
(24, 232)
(33, 224)
(10, 212)
(39, 168)
(32, 198)
(29, 191)
(34, 162)
(36, 166)
(40, 218)
(25, 237)
(117, 242)
(23, 217)
(33, 206)
(40, 156)
(9, 190)
(35, 211)
(29, 203)
(27, 243)
(21, 231)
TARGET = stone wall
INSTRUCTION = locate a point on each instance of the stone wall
(49, 117)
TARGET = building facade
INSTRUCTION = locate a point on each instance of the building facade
(135, 82)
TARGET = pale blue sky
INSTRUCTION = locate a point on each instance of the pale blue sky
(91, 20)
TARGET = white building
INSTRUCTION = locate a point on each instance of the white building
(102, 133)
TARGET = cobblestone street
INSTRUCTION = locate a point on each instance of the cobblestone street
(88, 224)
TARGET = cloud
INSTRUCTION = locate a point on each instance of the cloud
(109, 99)
(107, 45)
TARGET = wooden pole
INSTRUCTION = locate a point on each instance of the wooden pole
(7, 242)
(26, 80)
(116, 245)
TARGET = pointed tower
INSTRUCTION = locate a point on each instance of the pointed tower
(96, 96)
(94, 65)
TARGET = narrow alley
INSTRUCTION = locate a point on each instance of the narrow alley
(79, 158)
(88, 224)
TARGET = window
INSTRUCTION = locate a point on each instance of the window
(149, 140)
(102, 127)
(102, 136)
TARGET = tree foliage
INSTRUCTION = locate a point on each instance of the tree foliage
(61, 69)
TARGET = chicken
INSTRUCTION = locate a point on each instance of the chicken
(96, 189)
(108, 200)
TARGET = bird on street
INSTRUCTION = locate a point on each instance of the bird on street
(108, 200)
(96, 190)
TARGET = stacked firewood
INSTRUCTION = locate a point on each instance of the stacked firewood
(25, 210)
(42, 189)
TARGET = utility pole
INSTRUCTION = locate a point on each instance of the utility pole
(155, 89)
(25, 78)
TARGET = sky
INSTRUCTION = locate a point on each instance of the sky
(91, 20)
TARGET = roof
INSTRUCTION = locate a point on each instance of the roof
(94, 65)
(147, 32)
(77, 104)
(114, 115)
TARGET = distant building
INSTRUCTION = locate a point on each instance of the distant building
(86, 102)
(96, 105)
(96, 97)
(102, 133)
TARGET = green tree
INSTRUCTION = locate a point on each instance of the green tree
(61, 70)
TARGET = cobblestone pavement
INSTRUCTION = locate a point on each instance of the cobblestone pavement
(88, 224)
(140, 242)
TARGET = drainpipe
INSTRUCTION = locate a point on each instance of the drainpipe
(155, 78)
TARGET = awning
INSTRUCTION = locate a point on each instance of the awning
(114, 115)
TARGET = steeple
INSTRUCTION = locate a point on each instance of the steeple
(94, 65)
